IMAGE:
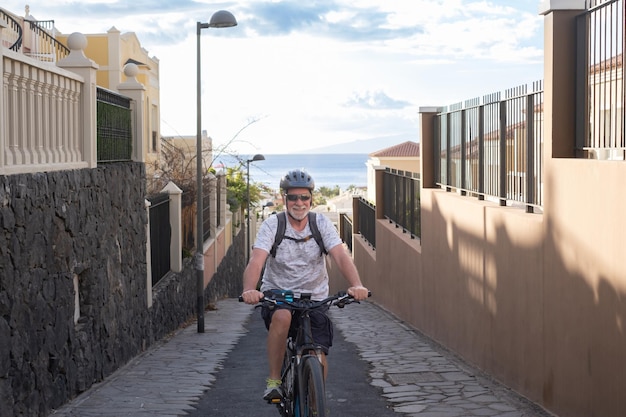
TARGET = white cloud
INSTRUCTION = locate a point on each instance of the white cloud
(314, 74)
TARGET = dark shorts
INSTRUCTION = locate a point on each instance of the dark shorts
(321, 325)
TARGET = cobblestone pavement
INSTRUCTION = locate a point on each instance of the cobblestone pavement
(419, 377)
(171, 376)
(416, 376)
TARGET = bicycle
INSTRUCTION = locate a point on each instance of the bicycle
(302, 373)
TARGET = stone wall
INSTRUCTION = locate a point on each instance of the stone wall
(228, 281)
(175, 297)
(84, 230)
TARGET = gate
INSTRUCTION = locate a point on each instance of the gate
(160, 236)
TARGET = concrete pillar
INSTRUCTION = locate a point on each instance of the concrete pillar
(380, 192)
(78, 63)
(176, 240)
(355, 215)
(134, 90)
(428, 153)
(3, 122)
(114, 59)
(560, 77)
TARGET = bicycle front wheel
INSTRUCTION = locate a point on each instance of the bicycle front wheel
(311, 388)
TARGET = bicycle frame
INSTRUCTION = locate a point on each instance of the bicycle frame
(302, 374)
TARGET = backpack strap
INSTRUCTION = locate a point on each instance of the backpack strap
(316, 233)
(280, 233)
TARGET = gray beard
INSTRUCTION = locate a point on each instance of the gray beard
(298, 216)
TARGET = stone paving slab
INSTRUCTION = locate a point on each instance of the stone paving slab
(172, 375)
(418, 376)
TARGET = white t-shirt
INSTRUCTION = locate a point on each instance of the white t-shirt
(297, 266)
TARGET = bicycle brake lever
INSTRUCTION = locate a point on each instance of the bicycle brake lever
(343, 300)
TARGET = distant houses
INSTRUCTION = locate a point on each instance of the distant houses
(402, 157)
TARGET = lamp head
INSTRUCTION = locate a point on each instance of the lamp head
(222, 19)
(257, 157)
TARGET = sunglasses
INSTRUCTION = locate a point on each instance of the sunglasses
(296, 197)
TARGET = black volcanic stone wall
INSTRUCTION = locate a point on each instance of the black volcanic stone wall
(228, 281)
(175, 297)
(87, 225)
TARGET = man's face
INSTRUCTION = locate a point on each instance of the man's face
(298, 202)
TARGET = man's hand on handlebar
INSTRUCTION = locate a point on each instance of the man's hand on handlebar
(359, 293)
(252, 296)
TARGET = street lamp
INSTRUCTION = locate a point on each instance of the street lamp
(220, 19)
(257, 157)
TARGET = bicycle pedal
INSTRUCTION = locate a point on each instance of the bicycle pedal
(275, 400)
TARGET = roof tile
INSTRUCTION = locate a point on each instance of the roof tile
(406, 149)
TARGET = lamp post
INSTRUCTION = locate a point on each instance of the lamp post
(220, 19)
(257, 157)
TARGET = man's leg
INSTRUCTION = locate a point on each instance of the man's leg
(276, 346)
(322, 329)
(276, 341)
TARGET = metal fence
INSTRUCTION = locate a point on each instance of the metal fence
(218, 201)
(11, 36)
(114, 127)
(45, 47)
(346, 230)
(601, 100)
(206, 208)
(401, 196)
(160, 235)
(367, 221)
(494, 148)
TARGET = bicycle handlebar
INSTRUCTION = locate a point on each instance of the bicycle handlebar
(340, 300)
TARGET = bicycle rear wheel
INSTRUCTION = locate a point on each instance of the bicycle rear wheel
(311, 388)
(287, 406)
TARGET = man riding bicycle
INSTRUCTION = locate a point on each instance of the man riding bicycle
(298, 266)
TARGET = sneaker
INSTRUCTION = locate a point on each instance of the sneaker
(273, 391)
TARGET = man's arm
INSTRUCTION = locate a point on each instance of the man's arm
(347, 268)
(251, 276)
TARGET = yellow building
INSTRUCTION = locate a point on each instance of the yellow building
(112, 51)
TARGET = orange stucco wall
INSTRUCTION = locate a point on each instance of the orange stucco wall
(536, 300)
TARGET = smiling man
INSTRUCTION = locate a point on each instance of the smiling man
(298, 265)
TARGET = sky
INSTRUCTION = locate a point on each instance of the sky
(297, 75)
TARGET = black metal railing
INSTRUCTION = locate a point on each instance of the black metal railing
(601, 98)
(401, 196)
(367, 221)
(12, 35)
(218, 200)
(346, 230)
(114, 127)
(160, 235)
(206, 208)
(46, 47)
(493, 149)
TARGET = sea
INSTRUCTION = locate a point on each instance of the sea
(328, 170)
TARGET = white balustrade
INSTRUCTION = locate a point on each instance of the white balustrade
(47, 113)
